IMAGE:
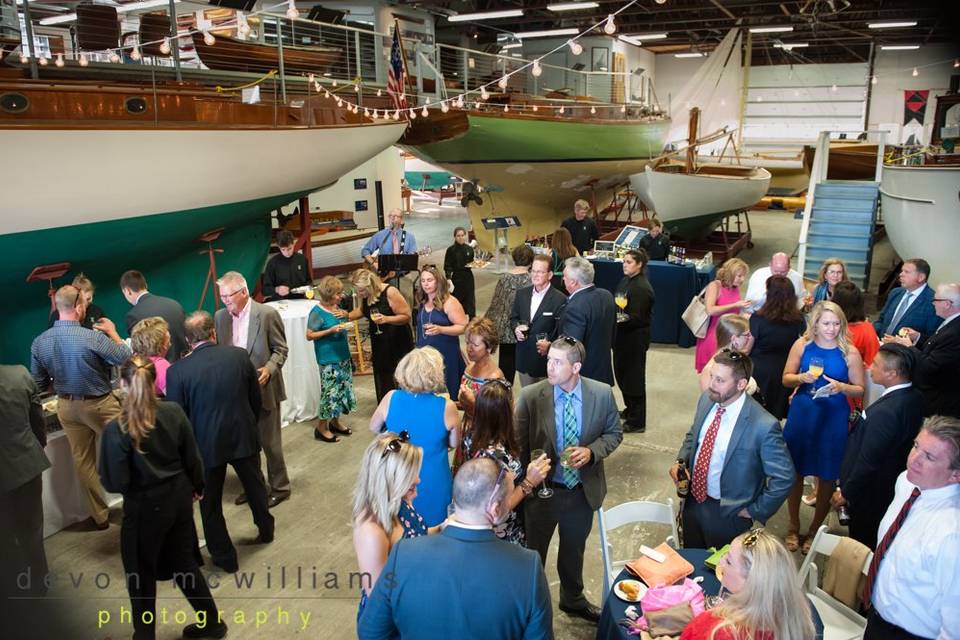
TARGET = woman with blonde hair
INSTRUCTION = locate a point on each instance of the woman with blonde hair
(833, 271)
(325, 329)
(440, 323)
(721, 296)
(93, 312)
(150, 456)
(388, 315)
(383, 510)
(765, 601)
(151, 338)
(826, 370)
(432, 421)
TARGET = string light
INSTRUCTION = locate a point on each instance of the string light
(375, 114)
(443, 107)
(575, 47)
(356, 88)
(561, 110)
(24, 59)
(483, 93)
(833, 88)
(873, 80)
(476, 105)
(366, 112)
(460, 101)
(208, 39)
(379, 92)
(536, 70)
(335, 83)
(135, 54)
(413, 114)
(42, 60)
(396, 114)
(83, 60)
(165, 47)
(534, 108)
(59, 60)
(593, 110)
(623, 108)
(292, 12)
(424, 112)
(956, 64)
(915, 73)
(502, 82)
(610, 27)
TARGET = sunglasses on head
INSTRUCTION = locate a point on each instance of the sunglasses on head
(750, 540)
(396, 444)
(501, 459)
(738, 357)
(570, 340)
(499, 381)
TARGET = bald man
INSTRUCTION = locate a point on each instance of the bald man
(779, 266)
(392, 240)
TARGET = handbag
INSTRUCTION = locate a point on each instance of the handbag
(695, 316)
(677, 605)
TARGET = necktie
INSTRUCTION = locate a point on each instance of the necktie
(901, 309)
(884, 545)
(571, 477)
(699, 488)
(396, 243)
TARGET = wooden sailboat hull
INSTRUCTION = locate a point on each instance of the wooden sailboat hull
(848, 160)
(231, 54)
(921, 212)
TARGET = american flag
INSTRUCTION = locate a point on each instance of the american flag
(396, 76)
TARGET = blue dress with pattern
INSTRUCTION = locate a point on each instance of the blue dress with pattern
(816, 430)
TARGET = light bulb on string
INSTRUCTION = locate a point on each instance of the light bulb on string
(562, 109)
(661, 1)
(59, 61)
(593, 111)
(396, 114)
(208, 39)
(339, 102)
(413, 114)
(24, 59)
(506, 108)
(356, 108)
(537, 69)
(375, 115)
(42, 60)
(833, 88)
(460, 101)
(317, 87)
(476, 105)
(84, 61)
(292, 12)
(534, 108)
(610, 27)
(335, 83)
(873, 80)
(956, 64)
(366, 112)
(915, 73)
(424, 112)
(135, 54)
(326, 94)
(165, 46)
(444, 108)
(311, 78)
(502, 82)
(379, 92)
(483, 93)
(356, 88)
(575, 47)
(623, 108)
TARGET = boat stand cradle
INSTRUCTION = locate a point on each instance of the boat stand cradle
(724, 242)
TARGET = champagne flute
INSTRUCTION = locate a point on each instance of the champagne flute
(621, 301)
(375, 315)
(545, 491)
(816, 368)
(565, 458)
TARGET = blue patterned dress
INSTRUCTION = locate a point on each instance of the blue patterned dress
(413, 527)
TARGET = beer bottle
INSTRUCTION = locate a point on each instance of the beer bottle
(683, 479)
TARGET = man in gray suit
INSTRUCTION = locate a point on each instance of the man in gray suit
(741, 469)
(258, 329)
(576, 415)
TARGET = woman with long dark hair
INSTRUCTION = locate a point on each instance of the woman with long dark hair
(775, 327)
(561, 248)
(455, 261)
(440, 323)
(150, 456)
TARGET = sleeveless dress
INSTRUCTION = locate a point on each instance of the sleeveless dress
(388, 347)
(413, 527)
(421, 415)
(463, 452)
(816, 430)
(448, 346)
(707, 346)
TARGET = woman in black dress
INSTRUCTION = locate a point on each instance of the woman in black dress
(633, 339)
(455, 262)
(150, 456)
(775, 327)
(389, 316)
(93, 312)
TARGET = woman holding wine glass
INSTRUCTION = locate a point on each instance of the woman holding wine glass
(826, 370)
(633, 339)
(440, 323)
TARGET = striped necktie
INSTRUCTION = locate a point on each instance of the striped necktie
(884, 545)
(702, 467)
(571, 477)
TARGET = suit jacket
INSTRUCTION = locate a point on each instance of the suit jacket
(877, 452)
(23, 433)
(544, 321)
(266, 344)
(921, 315)
(170, 310)
(591, 317)
(217, 387)
(462, 582)
(758, 471)
(536, 427)
(937, 373)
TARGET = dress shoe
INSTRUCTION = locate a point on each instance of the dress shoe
(264, 537)
(229, 567)
(241, 499)
(275, 499)
(210, 630)
(629, 428)
(588, 612)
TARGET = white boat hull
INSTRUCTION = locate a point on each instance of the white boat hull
(921, 211)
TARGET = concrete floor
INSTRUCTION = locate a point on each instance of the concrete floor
(313, 527)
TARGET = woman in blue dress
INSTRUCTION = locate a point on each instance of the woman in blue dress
(440, 323)
(383, 512)
(432, 421)
(817, 425)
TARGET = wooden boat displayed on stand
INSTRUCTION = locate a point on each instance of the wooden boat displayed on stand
(232, 54)
(849, 160)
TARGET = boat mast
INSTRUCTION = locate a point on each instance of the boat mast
(747, 58)
(692, 139)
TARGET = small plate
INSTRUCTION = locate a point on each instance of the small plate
(641, 590)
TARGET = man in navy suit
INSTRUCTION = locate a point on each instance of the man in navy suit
(217, 387)
(536, 310)
(146, 305)
(910, 304)
(740, 469)
(879, 444)
(463, 580)
(591, 317)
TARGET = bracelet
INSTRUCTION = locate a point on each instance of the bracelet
(526, 487)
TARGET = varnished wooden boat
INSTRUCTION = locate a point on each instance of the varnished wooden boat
(231, 54)
(849, 160)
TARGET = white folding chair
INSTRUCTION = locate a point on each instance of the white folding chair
(840, 622)
(627, 513)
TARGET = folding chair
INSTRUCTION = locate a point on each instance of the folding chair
(840, 622)
(629, 513)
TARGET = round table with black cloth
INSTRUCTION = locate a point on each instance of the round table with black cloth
(614, 609)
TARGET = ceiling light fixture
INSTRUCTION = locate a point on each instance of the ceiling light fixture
(890, 25)
(790, 45)
(650, 36)
(634, 40)
(771, 29)
(572, 6)
(696, 54)
(546, 33)
(485, 15)
(900, 47)
(512, 45)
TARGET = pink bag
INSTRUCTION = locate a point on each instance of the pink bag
(667, 596)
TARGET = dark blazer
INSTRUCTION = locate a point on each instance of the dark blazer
(536, 426)
(758, 471)
(266, 344)
(937, 374)
(217, 387)
(590, 316)
(633, 335)
(544, 321)
(23, 433)
(170, 310)
(921, 315)
(459, 579)
(876, 455)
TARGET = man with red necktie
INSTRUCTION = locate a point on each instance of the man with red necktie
(742, 470)
(913, 585)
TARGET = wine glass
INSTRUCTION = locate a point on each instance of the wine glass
(545, 491)
(565, 458)
(375, 315)
(816, 368)
(621, 301)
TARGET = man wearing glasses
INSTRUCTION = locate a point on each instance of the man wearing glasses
(575, 421)
(258, 328)
(741, 469)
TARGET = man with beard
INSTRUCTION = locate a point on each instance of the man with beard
(741, 470)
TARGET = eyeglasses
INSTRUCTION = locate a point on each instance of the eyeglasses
(396, 444)
(750, 540)
(228, 296)
(943, 300)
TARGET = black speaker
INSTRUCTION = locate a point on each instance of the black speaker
(239, 5)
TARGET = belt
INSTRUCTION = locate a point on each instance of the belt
(560, 485)
(77, 396)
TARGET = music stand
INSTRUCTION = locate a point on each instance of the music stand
(399, 263)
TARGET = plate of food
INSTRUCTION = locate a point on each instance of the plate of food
(630, 590)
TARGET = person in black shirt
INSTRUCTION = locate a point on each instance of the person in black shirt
(583, 230)
(285, 270)
(656, 243)
(149, 455)
(455, 262)
(93, 312)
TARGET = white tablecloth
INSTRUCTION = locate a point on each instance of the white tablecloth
(300, 373)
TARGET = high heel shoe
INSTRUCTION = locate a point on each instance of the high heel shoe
(319, 436)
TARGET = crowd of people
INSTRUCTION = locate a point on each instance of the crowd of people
(793, 384)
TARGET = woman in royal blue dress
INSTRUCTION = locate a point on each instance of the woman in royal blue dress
(826, 370)
(440, 321)
(432, 421)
